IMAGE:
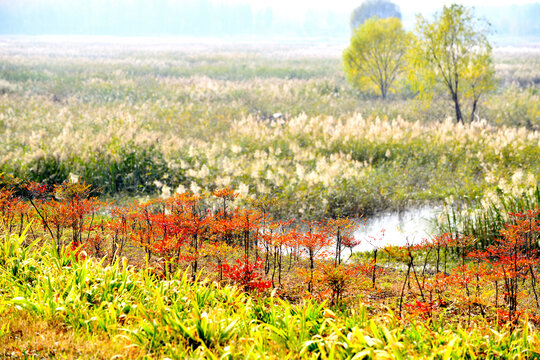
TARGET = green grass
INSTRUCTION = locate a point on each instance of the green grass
(132, 313)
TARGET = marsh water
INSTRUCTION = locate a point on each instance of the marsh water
(408, 226)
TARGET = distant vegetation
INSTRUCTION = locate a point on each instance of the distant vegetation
(381, 9)
(514, 20)
(164, 18)
(151, 122)
(216, 19)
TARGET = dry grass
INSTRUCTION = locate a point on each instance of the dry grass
(23, 335)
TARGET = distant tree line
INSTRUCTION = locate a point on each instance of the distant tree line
(210, 18)
(149, 18)
(381, 9)
(514, 20)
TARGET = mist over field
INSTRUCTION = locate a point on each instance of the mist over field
(511, 24)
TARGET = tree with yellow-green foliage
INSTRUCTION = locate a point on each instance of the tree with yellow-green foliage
(376, 56)
(453, 52)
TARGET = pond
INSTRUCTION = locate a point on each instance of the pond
(411, 225)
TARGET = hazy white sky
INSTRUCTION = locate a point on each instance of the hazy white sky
(300, 6)
(407, 6)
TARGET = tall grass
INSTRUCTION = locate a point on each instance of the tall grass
(125, 119)
(484, 218)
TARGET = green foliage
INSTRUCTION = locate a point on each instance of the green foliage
(375, 57)
(179, 318)
(127, 168)
(48, 169)
(453, 52)
(131, 169)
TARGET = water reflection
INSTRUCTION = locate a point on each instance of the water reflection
(413, 224)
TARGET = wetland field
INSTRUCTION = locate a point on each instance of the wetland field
(181, 198)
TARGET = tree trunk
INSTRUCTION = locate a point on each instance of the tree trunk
(374, 266)
(473, 111)
(338, 249)
(311, 267)
(459, 116)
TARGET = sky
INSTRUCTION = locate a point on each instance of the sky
(296, 6)
(407, 6)
(302, 18)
